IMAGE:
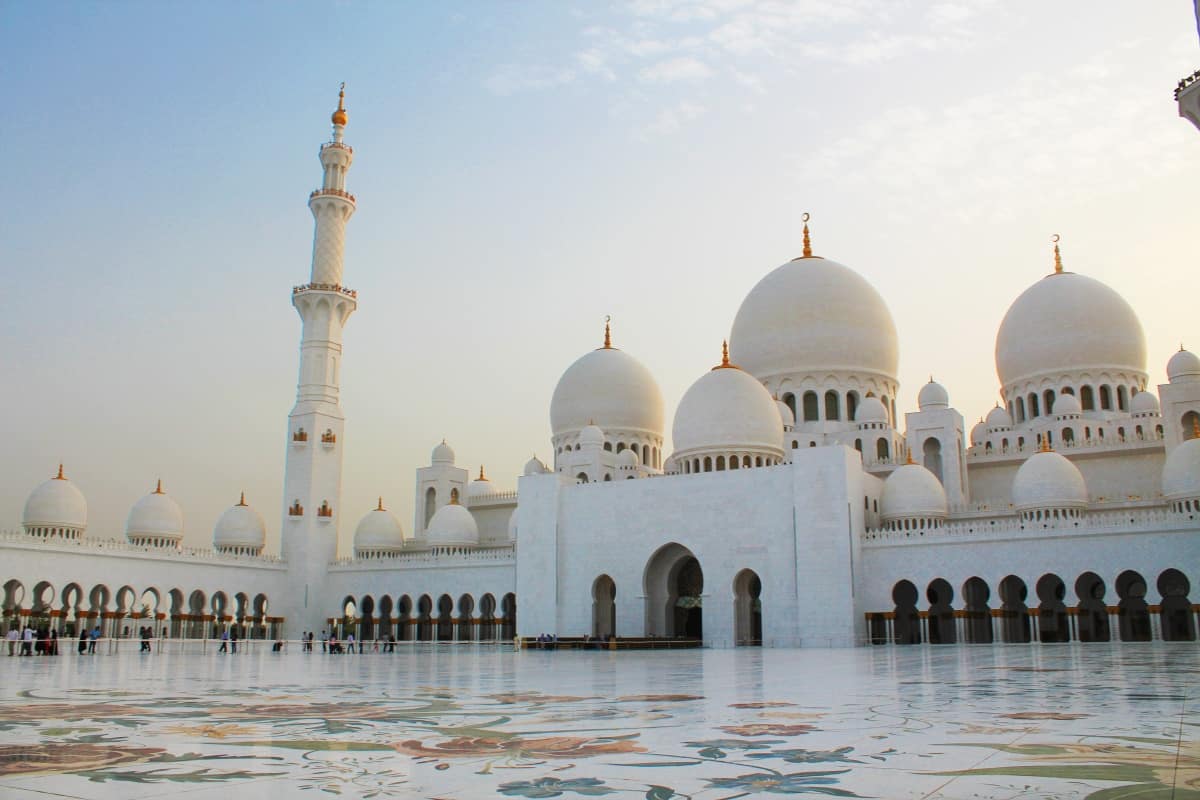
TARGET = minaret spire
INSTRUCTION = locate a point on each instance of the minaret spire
(1058, 267)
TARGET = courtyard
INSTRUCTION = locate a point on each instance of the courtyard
(1103, 722)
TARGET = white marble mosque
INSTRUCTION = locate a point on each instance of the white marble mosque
(799, 507)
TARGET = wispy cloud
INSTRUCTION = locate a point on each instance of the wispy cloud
(683, 68)
(672, 119)
(513, 78)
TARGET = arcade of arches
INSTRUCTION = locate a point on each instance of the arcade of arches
(1056, 610)
(174, 613)
(426, 619)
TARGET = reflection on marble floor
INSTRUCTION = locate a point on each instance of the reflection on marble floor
(1103, 722)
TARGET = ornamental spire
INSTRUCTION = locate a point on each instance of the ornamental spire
(340, 117)
(60, 476)
(910, 458)
(158, 488)
(607, 333)
(380, 506)
(1058, 268)
(482, 477)
(242, 500)
(1045, 448)
(807, 240)
(725, 362)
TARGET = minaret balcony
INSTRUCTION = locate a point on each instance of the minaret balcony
(332, 193)
(1188, 95)
(339, 146)
(324, 287)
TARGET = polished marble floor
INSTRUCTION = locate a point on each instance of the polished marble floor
(1103, 722)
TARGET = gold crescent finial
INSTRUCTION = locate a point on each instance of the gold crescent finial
(1058, 268)
(482, 477)
(725, 362)
(807, 240)
(242, 499)
(1045, 448)
(607, 333)
(380, 506)
(158, 488)
(340, 117)
(60, 476)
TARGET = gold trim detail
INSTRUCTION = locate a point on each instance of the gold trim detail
(340, 117)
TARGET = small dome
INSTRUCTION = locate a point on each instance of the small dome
(1181, 473)
(481, 486)
(378, 532)
(155, 516)
(785, 414)
(1048, 480)
(933, 396)
(452, 525)
(726, 409)
(1184, 367)
(813, 316)
(871, 409)
(609, 388)
(535, 466)
(442, 454)
(591, 436)
(57, 503)
(1144, 403)
(240, 527)
(912, 491)
(627, 458)
(1067, 404)
(979, 433)
(1066, 323)
(998, 417)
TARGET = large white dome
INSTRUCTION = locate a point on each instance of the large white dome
(57, 503)
(608, 388)
(813, 316)
(912, 491)
(452, 525)
(727, 409)
(1067, 323)
(1048, 480)
(442, 454)
(933, 396)
(378, 532)
(241, 527)
(1181, 473)
(155, 516)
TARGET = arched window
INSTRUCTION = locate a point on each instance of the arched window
(987, 447)
(1020, 406)
(1033, 405)
(1188, 422)
(430, 504)
(1122, 398)
(881, 448)
(811, 410)
(733, 462)
(1068, 390)
(620, 446)
(582, 477)
(646, 456)
(1048, 401)
(1068, 435)
(933, 457)
(832, 405)
(1087, 398)
(454, 495)
(1106, 398)
(708, 463)
(795, 443)
(789, 400)
(851, 405)
(720, 463)
(858, 445)
(608, 446)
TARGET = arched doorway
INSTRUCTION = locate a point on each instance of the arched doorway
(604, 607)
(747, 608)
(1091, 615)
(906, 620)
(1133, 615)
(425, 619)
(508, 607)
(385, 618)
(366, 625)
(1052, 612)
(445, 621)
(1013, 611)
(404, 618)
(487, 618)
(674, 585)
(466, 623)
(349, 618)
(1178, 621)
(979, 615)
(941, 612)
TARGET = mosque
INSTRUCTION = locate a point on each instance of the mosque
(799, 506)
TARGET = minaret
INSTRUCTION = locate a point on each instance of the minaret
(312, 482)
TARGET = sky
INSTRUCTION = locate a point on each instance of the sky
(523, 170)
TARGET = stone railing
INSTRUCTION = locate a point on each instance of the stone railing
(342, 193)
(1093, 444)
(338, 146)
(1131, 517)
(504, 497)
(439, 556)
(324, 287)
(120, 546)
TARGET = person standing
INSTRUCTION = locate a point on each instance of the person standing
(233, 640)
(95, 638)
(83, 641)
(324, 640)
(349, 643)
(11, 637)
(27, 641)
(224, 648)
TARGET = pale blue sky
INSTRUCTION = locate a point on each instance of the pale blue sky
(523, 170)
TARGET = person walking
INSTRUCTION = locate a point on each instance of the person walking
(83, 641)
(233, 640)
(324, 640)
(145, 632)
(11, 637)
(27, 641)
(349, 643)
(92, 642)
(224, 648)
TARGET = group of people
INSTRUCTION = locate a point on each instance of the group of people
(331, 644)
(32, 641)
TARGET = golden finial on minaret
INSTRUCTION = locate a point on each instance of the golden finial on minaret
(607, 333)
(158, 488)
(60, 476)
(380, 506)
(242, 499)
(807, 240)
(1057, 255)
(339, 117)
